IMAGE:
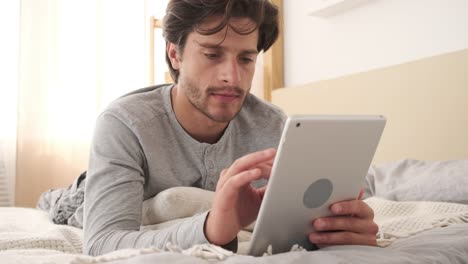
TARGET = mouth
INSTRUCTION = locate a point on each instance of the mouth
(226, 97)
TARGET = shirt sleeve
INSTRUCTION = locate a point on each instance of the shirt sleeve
(114, 195)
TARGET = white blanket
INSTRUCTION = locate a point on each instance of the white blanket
(26, 235)
(403, 219)
(27, 228)
(395, 220)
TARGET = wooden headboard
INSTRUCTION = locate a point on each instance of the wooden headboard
(425, 102)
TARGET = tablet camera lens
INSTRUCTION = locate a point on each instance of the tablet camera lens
(298, 124)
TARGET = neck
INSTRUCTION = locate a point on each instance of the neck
(193, 121)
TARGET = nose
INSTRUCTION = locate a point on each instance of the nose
(230, 74)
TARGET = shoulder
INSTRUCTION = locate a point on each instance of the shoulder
(139, 107)
(258, 117)
(258, 126)
(259, 113)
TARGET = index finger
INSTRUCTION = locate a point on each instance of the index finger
(251, 160)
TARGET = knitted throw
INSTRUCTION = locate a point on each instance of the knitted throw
(403, 219)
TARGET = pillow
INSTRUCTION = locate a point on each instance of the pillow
(417, 180)
(175, 203)
(170, 206)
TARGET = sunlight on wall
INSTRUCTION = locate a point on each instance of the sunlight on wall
(94, 61)
(76, 57)
(73, 66)
(9, 52)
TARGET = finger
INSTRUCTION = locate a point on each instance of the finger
(342, 238)
(261, 191)
(223, 172)
(232, 187)
(356, 208)
(361, 193)
(270, 161)
(243, 179)
(250, 160)
(323, 245)
(266, 170)
(222, 179)
(264, 166)
(346, 223)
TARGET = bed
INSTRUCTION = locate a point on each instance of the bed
(421, 208)
(416, 185)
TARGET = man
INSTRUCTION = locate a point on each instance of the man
(204, 131)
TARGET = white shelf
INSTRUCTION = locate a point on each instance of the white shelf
(326, 8)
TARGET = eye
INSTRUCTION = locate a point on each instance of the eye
(211, 55)
(246, 59)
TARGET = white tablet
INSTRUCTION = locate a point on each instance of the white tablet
(320, 160)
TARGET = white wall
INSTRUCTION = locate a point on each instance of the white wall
(376, 34)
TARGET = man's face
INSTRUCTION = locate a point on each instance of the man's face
(216, 71)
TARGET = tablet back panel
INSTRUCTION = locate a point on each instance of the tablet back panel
(320, 160)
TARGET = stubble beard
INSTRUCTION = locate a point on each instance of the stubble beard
(200, 101)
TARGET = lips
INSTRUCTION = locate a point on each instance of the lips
(225, 97)
(226, 94)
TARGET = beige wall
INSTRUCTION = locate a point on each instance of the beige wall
(425, 101)
(373, 35)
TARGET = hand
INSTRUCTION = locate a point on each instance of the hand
(237, 202)
(351, 224)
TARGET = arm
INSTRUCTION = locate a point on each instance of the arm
(114, 195)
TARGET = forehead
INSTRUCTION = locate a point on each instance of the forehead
(226, 38)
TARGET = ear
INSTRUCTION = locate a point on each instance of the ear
(173, 53)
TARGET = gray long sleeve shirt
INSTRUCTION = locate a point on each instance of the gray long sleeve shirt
(139, 149)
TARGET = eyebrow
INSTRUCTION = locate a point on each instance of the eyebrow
(218, 47)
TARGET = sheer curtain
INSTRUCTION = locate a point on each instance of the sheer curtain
(75, 57)
(9, 52)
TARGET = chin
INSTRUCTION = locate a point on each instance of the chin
(224, 116)
(223, 113)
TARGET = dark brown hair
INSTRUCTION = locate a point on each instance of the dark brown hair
(184, 16)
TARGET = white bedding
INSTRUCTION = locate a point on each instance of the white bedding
(437, 245)
(410, 231)
(28, 236)
(27, 228)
